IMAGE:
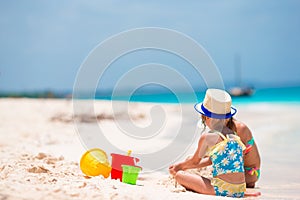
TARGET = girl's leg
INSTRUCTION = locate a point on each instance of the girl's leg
(250, 180)
(195, 182)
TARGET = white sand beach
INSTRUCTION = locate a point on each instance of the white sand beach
(40, 151)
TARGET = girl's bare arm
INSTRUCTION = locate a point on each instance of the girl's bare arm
(194, 161)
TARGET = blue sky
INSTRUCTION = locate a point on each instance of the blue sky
(43, 43)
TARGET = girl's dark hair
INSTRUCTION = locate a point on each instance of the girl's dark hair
(203, 122)
(231, 124)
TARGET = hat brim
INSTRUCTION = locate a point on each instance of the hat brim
(202, 110)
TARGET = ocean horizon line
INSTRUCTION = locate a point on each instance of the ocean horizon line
(283, 94)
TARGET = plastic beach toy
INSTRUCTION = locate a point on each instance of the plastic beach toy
(117, 161)
(94, 162)
(130, 174)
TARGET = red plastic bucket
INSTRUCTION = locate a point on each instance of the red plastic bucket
(117, 161)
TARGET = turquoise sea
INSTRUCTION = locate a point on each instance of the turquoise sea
(270, 95)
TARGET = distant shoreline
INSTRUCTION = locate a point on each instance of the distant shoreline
(268, 95)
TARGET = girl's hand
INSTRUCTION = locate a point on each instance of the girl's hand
(173, 169)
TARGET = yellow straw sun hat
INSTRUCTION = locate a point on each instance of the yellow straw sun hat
(216, 104)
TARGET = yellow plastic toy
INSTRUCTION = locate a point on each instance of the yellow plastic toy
(94, 162)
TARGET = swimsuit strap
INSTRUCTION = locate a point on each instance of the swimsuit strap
(251, 142)
(249, 145)
(221, 135)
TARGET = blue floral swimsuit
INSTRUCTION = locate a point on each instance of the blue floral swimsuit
(227, 157)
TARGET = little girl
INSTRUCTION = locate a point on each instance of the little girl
(223, 147)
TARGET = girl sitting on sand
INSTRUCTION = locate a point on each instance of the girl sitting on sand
(223, 147)
(251, 154)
